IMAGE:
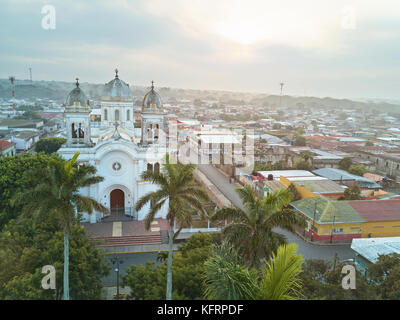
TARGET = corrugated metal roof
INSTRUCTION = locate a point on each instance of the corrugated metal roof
(338, 174)
(377, 210)
(325, 210)
(371, 248)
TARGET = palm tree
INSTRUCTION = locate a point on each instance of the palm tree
(58, 193)
(177, 189)
(280, 278)
(226, 278)
(250, 231)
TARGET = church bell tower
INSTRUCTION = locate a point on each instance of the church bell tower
(77, 114)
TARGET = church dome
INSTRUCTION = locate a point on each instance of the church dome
(117, 89)
(77, 97)
(152, 100)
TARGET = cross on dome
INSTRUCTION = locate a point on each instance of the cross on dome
(116, 72)
(77, 82)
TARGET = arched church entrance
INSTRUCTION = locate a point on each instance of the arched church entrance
(117, 202)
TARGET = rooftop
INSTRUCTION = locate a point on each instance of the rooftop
(338, 175)
(325, 210)
(286, 173)
(377, 210)
(321, 186)
(371, 248)
(5, 144)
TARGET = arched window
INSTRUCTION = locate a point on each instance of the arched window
(156, 167)
(149, 167)
(116, 115)
(128, 115)
(156, 131)
(105, 115)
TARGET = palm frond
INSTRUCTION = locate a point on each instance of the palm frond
(280, 279)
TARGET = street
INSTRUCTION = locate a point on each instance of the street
(309, 251)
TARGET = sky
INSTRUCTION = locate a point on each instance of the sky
(335, 48)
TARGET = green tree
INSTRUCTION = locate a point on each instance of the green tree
(250, 231)
(299, 141)
(29, 243)
(177, 188)
(49, 145)
(300, 131)
(322, 280)
(385, 273)
(58, 194)
(149, 281)
(276, 126)
(345, 164)
(295, 194)
(358, 170)
(13, 180)
(29, 115)
(301, 164)
(353, 193)
(227, 278)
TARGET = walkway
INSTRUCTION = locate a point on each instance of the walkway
(309, 251)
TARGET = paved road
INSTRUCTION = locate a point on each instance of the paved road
(309, 251)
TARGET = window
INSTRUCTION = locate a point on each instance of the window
(105, 115)
(156, 167)
(116, 115)
(149, 167)
(128, 115)
(337, 230)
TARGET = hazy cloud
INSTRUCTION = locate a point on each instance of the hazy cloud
(234, 45)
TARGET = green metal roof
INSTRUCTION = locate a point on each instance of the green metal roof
(326, 209)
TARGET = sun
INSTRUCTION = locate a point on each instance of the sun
(244, 32)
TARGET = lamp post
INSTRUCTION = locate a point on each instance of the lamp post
(313, 225)
(116, 262)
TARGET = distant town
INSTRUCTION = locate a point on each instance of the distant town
(336, 161)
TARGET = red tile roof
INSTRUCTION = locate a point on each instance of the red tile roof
(377, 210)
(5, 144)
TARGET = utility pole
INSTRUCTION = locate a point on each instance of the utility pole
(30, 74)
(333, 225)
(280, 97)
(12, 81)
(313, 225)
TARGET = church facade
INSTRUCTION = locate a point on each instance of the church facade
(119, 151)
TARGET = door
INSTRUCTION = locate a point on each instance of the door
(117, 201)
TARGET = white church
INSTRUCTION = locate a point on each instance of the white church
(119, 152)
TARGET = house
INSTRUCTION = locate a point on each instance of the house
(329, 220)
(316, 185)
(382, 217)
(345, 178)
(367, 251)
(7, 148)
(24, 140)
(345, 220)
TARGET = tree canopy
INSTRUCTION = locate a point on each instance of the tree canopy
(149, 281)
(14, 181)
(49, 145)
